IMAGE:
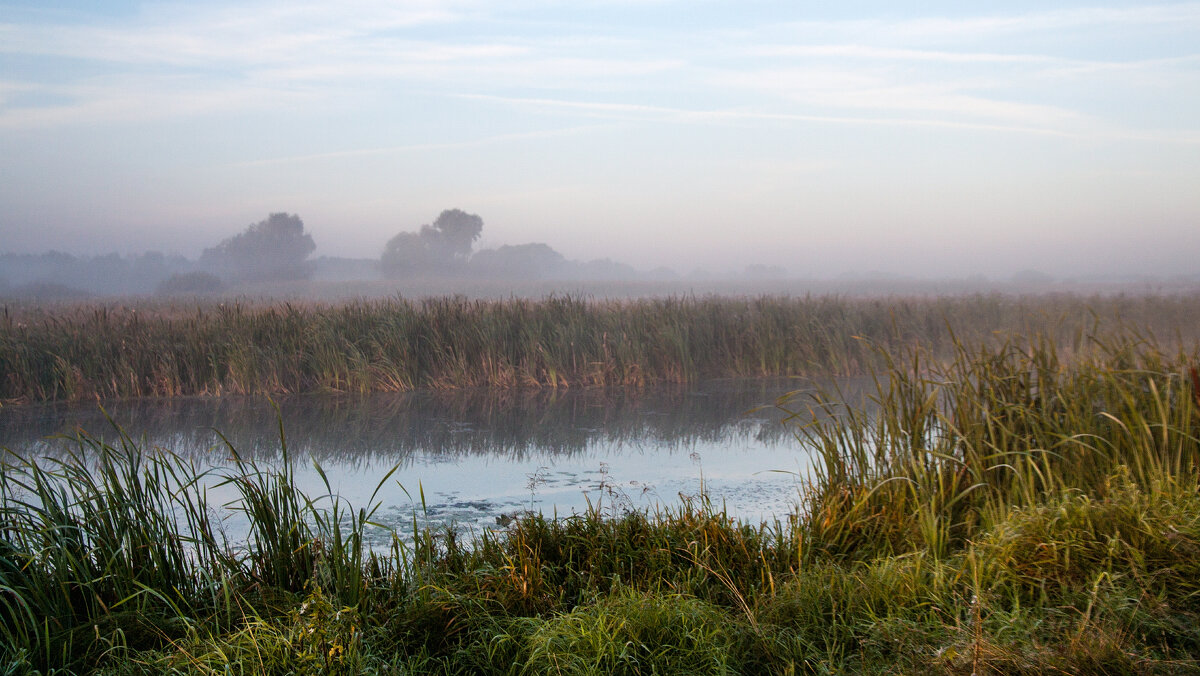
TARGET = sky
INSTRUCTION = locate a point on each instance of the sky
(936, 139)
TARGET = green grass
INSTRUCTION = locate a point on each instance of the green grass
(157, 349)
(1008, 506)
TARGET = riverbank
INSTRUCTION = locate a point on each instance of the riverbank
(157, 349)
(1009, 508)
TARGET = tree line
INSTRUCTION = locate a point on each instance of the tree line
(280, 249)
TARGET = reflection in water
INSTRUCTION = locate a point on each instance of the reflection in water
(394, 427)
(478, 455)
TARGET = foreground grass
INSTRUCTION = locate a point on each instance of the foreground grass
(111, 350)
(1010, 510)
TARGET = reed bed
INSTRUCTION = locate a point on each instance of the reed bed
(116, 351)
(1013, 508)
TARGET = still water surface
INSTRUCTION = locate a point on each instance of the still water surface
(478, 455)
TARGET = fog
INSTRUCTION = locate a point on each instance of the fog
(278, 257)
(927, 145)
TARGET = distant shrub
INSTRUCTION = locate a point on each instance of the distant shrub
(43, 291)
(190, 283)
(523, 261)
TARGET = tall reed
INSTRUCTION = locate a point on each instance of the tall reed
(101, 551)
(956, 444)
(242, 347)
(113, 548)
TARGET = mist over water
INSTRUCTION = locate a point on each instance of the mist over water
(61, 278)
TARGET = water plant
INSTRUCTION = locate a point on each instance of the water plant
(158, 349)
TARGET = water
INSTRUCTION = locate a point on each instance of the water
(475, 457)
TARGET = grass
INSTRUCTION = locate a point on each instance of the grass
(114, 350)
(1012, 507)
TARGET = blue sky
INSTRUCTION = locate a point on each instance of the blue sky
(937, 139)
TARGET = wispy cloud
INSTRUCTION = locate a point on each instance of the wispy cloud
(497, 139)
(684, 115)
(871, 53)
(246, 50)
(631, 111)
(120, 100)
(967, 29)
(183, 59)
(881, 91)
(246, 35)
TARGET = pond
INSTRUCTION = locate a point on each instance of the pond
(475, 457)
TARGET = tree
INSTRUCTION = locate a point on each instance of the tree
(523, 261)
(272, 249)
(453, 233)
(440, 248)
(407, 254)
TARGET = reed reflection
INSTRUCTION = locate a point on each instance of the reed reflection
(349, 430)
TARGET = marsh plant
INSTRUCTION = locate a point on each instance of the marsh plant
(213, 348)
(1012, 507)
